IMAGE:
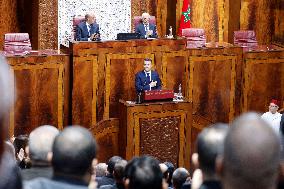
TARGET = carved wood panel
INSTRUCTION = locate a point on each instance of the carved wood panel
(86, 81)
(264, 80)
(175, 71)
(212, 87)
(162, 131)
(40, 85)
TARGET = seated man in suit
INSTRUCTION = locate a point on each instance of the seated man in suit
(145, 29)
(147, 79)
(88, 30)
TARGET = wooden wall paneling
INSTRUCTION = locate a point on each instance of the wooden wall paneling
(40, 87)
(175, 71)
(205, 14)
(162, 17)
(231, 19)
(84, 94)
(214, 93)
(8, 19)
(178, 14)
(279, 24)
(120, 79)
(258, 15)
(263, 80)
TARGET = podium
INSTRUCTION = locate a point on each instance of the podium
(159, 129)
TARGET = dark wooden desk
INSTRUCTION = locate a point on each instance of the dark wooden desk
(104, 72)
(42, 91)
(162, 130)
(263, 77)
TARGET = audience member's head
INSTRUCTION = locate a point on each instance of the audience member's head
(40, 143)
(210, 144)
(74, 150)
(281, 170)
(10, 149)
(6, 97)
(145, 18)
(100, 169)
(111, 163)
(90, 18)
(21, 154)
(171, 169)
(143, 172)
(164, 170)
(251, 154)
(179, 177)
(274, 106)
(118, 171)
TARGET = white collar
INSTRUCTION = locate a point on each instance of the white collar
(147, 72)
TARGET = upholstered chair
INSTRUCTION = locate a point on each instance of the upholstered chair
(245, 38)
(195, 37)
(17, 42)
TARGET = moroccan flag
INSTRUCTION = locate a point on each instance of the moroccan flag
(185, 17)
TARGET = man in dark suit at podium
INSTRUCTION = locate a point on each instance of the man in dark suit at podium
(147, 79)
(88, 30)
(145, 29)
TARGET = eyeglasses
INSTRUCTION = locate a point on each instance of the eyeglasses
(273, 106)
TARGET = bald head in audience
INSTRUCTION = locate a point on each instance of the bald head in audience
(74, 151)
(6, 97)
(40, 144)
(251, 154)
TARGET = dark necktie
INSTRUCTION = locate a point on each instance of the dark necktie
(148, 77)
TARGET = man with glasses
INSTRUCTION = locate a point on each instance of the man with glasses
(272, 116)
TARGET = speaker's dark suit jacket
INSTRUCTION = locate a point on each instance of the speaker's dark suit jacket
(82, 33)
(140, 28)
(141, 83)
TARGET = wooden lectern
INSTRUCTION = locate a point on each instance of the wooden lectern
(159, 129)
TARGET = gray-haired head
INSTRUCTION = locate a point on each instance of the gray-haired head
(101, 169)
(40, 142)
(251, 154)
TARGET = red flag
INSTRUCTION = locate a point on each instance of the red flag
(185, 17)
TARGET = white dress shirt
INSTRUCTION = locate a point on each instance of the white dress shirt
(273, 120)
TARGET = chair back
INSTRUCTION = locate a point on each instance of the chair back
(245, 38)
(76, 21)
(17, 42)
(195, 37)
(138, 19)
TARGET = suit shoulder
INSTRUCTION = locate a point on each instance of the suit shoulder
(81, 24)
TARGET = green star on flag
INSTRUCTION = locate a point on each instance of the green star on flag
(186, 15)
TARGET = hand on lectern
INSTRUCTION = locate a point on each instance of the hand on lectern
(153, 84)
